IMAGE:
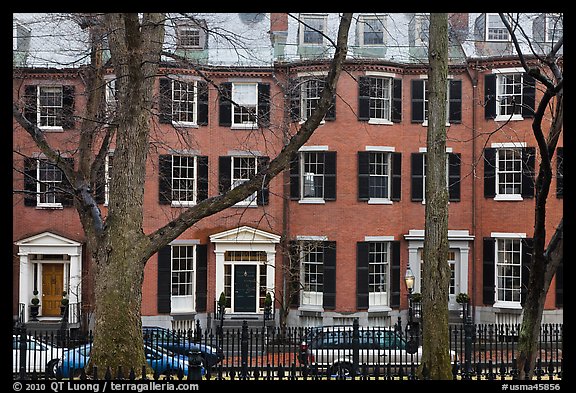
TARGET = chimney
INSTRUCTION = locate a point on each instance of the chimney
(278, 33)
(459, 24)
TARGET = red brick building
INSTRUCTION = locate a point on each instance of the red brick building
(334, 234)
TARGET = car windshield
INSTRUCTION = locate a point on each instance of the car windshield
(368, 339)
(162, 335)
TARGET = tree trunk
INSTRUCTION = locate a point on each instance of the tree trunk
(436, 272)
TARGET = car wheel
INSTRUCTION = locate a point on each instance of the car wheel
(341, 370)
(52, 368)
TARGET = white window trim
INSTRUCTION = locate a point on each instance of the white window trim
(38, 106)
(186, 124)
(192, 296)
(547, 29)
(246, 202)
(318, 148)
(324, 18)
(383, 75)
(383, 149)
(425, 78)
(497, 236)
(45, 205)
(507, 197)
(315, 294)
(245, 126)
(504, 71)
(312, 238)
(300, 86)
(195, 193)
(361, 24)
(378, 238)
(486, 20)
(107, 178)
(425, 150)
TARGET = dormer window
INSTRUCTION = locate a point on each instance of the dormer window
(495, 28)
(191, 35)
(554, 27)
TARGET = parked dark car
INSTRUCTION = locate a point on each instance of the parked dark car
(160, 360)
(179, 343)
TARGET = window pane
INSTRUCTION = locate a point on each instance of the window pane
(182, 270)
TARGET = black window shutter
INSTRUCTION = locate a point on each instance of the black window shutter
(488, 271)
(417, 101)
(263, 104)
(201, 277)
(330, 176)
(362, 275)
(165, 181)
(527, 247)
(202, 103)
(263, 194)
(363, 175)
(454, 177)
(364, 98)
(560, 284)
(455, 104)
(68, 94)
(294, 92)
(329, 296)
(30, 177)
(417, 169)
(294, 278)
(202, 182)
(559, 172)
(489, 173)
(295, 177)
(396, 100)
(396, 176)
(165, 115)
(490, 96)
(395, 274)
(30, 103)
(67, 196)
(528, 162)
(100, 185)
(528, 96)
(164, 279)
(224, 174)
(225, 111)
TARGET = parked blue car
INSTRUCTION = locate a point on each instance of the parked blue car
(159, 359)
(181, 344)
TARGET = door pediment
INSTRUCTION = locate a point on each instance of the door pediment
(245, 234)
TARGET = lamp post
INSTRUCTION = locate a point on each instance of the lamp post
(411, 345)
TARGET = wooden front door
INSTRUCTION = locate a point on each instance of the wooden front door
(52, 287)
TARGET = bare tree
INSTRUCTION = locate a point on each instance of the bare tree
(120, 248)
(436, 272)
(546, 69)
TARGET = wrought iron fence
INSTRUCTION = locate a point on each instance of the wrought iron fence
(478, 351)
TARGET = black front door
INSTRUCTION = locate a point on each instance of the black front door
(245, 288)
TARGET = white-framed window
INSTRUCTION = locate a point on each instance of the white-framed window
(424, 165)
(508, 270)
(312, 29)
(371, 30)
(108, 162)
(184, 180)
(380, 175)
(509, 92)
(246, 96)
(312, 273)
(111, 94)
(554, 27)
(184, 102)
(421, 29)
(49, 184)
(453, 283)
(312, 171)
(191, 34)
(378, 273)
(380, 98)
(50, 106)
(244, 168)
(495, 28)
(425, 103)
(183, 277)
(310, 92)
(508, 173)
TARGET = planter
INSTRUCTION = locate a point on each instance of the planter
(34, 309)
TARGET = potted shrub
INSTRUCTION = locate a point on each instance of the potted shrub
(34, 306)
(417, 297)
(462, 298)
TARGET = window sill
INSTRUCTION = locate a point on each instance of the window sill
(50, 207)
(381, 122)
(508, 197)
(508, 305)
(300, 122)
(379, 201)
(312, 201)
(251, 126)
(240, 204)
(508, 118)
(425, 124)
(52, 129)
(184, 124)
(311, 308)
(375, 309)
(182, 204)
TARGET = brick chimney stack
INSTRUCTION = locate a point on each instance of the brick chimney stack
(459, 24)
(278, 33)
